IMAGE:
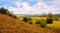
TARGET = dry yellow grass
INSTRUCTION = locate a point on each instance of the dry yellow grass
(11, 25)
(55, 26)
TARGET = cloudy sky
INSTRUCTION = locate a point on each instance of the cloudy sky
(31, 6)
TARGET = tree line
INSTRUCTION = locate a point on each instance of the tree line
(7, 12)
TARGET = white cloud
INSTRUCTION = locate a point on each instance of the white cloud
(39, 8)
(25, 6)
(23, 10)
(56, 4)
(17, 3)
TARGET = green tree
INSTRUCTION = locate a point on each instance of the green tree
(4, 11)
(50, 15)
(43, 25)
(27, 19)
(49, 18)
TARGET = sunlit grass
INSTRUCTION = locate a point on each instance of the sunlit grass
(56, 24)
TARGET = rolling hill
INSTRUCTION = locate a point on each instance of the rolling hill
(11, 25)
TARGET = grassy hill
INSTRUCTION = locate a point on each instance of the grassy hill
(11, 25)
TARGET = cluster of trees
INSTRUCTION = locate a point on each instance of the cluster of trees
(49, 20)
(6, 12)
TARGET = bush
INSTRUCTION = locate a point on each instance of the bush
(49, 20)
(30, 22)
(38, 22)
(27, 19)
(43, 25)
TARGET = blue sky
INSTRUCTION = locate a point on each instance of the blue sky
(31, 6)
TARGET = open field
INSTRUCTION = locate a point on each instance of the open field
(56, 24)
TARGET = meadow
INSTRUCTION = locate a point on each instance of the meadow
(55, 25)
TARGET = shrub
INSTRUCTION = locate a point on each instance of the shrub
(27, 19)
(38, 22)
(49, 20)
(43, 25)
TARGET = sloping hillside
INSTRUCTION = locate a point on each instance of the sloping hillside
(11, 25)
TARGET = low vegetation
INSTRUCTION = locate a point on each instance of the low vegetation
(38, 22)
(27, 19)
(49, 21)
(43, 25)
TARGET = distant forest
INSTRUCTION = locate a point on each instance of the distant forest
(55, 15)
